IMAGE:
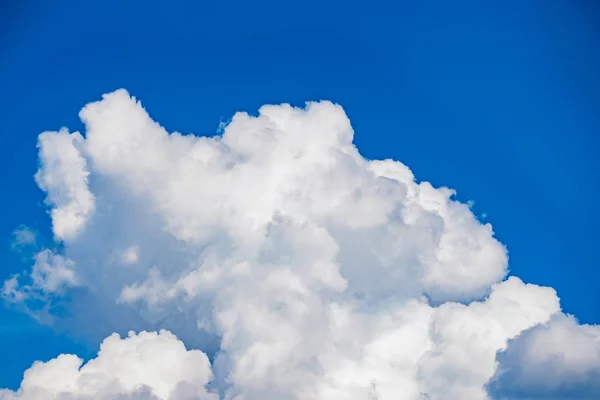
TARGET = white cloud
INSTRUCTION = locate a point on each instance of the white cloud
(466, 338)
(22, 237)
(130, 255)
(64, 177)
(558, 359)
(148, 365)
(51, 274)
(303, 269)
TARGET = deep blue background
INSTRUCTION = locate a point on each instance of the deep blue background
(500, 101)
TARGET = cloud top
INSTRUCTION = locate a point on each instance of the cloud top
(147, 365)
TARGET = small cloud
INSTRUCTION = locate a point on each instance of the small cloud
(130, 255)
(51, 274)
(23, 236)
(10, 290)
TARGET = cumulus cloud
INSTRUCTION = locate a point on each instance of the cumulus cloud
(150, 366)
(556, 360)
(51, 274)
(302, 269)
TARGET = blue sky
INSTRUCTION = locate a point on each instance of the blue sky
(497, 99)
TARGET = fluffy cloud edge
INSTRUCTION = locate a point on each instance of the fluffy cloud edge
(151, 365)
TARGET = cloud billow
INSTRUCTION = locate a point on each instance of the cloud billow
(292, 266)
